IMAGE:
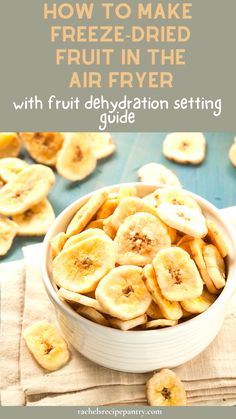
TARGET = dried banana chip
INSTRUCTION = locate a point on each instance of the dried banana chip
(75, 297)
(128, 324)
(10, 167)
(10, 144)
(165, 389)
(175, 196)
(177, 274)
(80, 267)
(93, 315)
(215, 265)
(123, 294)
(46, 345)
(128, 206)
(28, 188)
(36, 220)
(185, 147)
(126, 192)
(8, 230)
(107, 208)
(170, 310)
(95, 224)
(139, 239)
(57, 243)
(153, 310)
(91, 232)
(102, 144)
(199, 304)
(182, 218)
(232, 154)
(158, 174)
(86, 213)
(154, 324)
(75, 160)
(43, 147)
(217, 238)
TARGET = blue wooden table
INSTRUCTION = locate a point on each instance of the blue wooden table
(214, 179)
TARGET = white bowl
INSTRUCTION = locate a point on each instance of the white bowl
(140, 351)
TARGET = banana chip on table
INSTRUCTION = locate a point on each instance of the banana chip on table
(102, 144)
(80, 267)
(185, 147)
(28, 188)
(76, 160)
(85, 214)
(232, 154)
(139, 239)
(158, 174)
(10, 167)
(123, 294)
(177, 274)
(36, 220)
(10, 144)
(170, 310)
(46, 345)
(182, 218)
(43, 147)
(8, 230)
(165, 389)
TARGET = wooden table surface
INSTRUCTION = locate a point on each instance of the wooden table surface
(214, 179)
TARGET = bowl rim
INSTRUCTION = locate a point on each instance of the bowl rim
(224, 296)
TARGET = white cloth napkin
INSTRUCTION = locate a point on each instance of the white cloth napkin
(210, 378)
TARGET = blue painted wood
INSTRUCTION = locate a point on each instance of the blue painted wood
(215, 179)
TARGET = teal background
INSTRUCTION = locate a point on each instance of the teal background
(214, 179)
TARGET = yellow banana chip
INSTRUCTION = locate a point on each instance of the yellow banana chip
(8, 230)
(154, 324)
(86, 213)
(128, 324)
(171, 310)
(28, 188)
(102, 144)
(43, 147)
(123, 294)
(91, 232)
(79, 268)
(57, 243)
(46, 345)
(10, 167)
(93, 315)
(165, 389)
(75, 297)
(128, 206)
(75, 160)
(139, 239)
(177, 274)
(36, 220)
(199, 304)
(95, 224)
(215, 265)
(174, 196)
(185, 147)
(10, 144)
(217, 238)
